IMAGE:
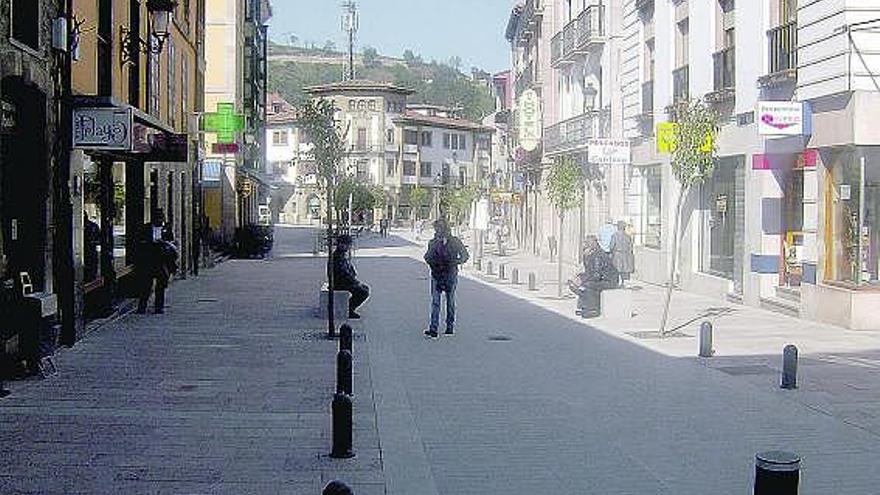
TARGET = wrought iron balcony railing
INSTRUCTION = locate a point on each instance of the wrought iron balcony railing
(578, 35)
(782, 41)
(573, 133)
(725, 69)
(680, 82)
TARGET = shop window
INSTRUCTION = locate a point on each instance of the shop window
(92, 216)
(721, 204)
(25, 22)
(120, 231)
(853, 201)
(650, 220)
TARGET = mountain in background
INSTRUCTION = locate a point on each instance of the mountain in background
(293, 68)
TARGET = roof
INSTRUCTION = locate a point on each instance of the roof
(356, 86)
(417, 118)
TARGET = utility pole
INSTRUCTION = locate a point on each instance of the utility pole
(350, 26)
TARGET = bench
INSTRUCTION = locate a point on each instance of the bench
(340, 303)
(617, 304)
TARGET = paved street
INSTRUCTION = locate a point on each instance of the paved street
(229, 393)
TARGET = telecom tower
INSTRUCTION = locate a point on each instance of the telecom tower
(350, 26)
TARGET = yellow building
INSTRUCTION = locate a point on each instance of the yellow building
(137, 82)
(233, 180)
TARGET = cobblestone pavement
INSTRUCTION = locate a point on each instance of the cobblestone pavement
(228, 392)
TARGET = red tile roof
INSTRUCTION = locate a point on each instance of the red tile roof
(417, 118)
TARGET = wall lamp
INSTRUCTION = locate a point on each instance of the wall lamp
(160, 26)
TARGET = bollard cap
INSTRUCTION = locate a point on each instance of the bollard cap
(778, 461)
(336, 487)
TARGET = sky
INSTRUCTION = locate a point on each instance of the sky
(435, 29)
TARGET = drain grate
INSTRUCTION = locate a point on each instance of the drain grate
(499, 338)
(748, 369)
(654, 334)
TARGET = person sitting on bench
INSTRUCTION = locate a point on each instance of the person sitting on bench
(345, 278)
(599, 274)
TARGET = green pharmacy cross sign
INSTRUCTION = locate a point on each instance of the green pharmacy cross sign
(225, 122)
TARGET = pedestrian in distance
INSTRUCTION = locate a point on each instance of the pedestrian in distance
(91, 241)
(155, 261)
(383, 227)
(599, 274)
(445, 253)
(622, 253)
(345, 276)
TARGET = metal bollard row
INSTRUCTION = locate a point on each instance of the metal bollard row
(342, 406)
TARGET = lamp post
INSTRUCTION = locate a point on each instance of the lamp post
(159, 30)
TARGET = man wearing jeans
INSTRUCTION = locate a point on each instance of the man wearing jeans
(445, 253)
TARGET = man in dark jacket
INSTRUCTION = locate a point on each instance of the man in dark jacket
(345, 278)
(155, 262)
(445, 252)
(599, 274)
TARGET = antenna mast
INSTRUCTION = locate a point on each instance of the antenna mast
(350, 26)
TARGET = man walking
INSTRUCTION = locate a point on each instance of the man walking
(156, 260)
(445, 253)
(622, 253)
(345, 278)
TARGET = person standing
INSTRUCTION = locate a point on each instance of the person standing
(622, 253)
(153, 263)
(92, 239)
(445, 253)
(345, 277)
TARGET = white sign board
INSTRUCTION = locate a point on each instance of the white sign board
(783, 118)
(480, 214)
(529, 120)
(102, 128)
(609, 151)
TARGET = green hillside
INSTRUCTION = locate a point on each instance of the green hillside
(291, 69)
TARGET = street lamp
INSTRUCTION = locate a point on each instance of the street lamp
(589, 97)
(160, 28)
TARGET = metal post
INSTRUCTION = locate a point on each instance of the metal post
(789, 367)
(706, 349)
(502, 271)
(777, 473)
(514, 276)
(532, 283)
(345, 338)
(490, 270)
(342, 427)
(343, 372)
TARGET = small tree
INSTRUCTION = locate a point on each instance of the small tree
(318, 119)
(417, 197)
(380, 199)
(371, 57)
(693, 158)
(564, 185)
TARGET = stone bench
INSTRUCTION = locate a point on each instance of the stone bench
(617, 304)
(340, 303)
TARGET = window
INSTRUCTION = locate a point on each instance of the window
(409, 168)
(426, 138)
(390, 167)
(425, 169)
(362, 139)
(184, 92)
(446, 140)
(462, 141)
(682, 35)
(279, 138)
(389, 136)
(352, 105)
(722, 196)
(462, 177)
(650, 219)
(26, 22)
(276, 107)
(154, 78)
(172, 83)
(410, 137)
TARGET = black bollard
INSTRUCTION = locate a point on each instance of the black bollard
(777, 473)
(336, 487)
(342, 427)
(502, 271)
(706, 349)
(532, 282)
(514, 276)
(345, 338)
(343, 372)
(478, 264)
(489, 268)
(789, 367)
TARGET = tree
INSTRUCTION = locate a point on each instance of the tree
(292, 39)
(455, 62)
(411, 59)
(362, 198)
(564, 187)
(693, 158)
(371, 57)
(329, 46)
(318, 119)
(417, 197)
(458, 203)
(380, 199)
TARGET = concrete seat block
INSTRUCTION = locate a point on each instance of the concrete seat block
(340, 303)
(617, 303)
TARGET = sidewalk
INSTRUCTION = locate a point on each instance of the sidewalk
(839, 372)
(228, 392)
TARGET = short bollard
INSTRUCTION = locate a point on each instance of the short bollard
(789, 367)
(777, 473)
(489, 268)
(342, 427)
(706, 349)
(532, 282)
(337, 488)
(514, 276)
(345, 338)
(502, 271)
(478, 264)
(343, 372)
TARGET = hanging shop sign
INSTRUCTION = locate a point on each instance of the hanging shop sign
(529, 120)
(609, 151)
(103, 128)
(246, 187)
(224, 148)
(666, 138)
(783, 118)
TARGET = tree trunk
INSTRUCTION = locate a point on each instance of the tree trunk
(559, 255)
(676, 246)
(331, 324)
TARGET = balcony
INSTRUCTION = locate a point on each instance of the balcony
(572, 134)
(680, 81)
(724, 63)
(578, 36)
(782, 43)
